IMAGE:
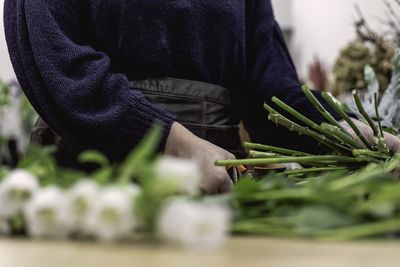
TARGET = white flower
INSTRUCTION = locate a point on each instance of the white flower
(182, 173)
(79, 200)
(4, 227)
(132, 190)
(16, 190)
(292, 166)
(45, 214)
(112, 216)
(194, 225)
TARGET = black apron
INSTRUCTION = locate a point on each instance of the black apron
(205, 109)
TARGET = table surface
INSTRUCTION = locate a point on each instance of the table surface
(237, 252)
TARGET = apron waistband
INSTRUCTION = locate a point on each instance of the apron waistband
(205, 109)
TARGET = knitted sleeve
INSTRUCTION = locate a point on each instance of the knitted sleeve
(271, 72)
(71, 84)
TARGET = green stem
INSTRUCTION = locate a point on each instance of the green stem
(302, 194)
(355, 179)
(377, 114)
(369, 153)
(258, 154)
(303, 119)
(328, 116)
(361, 109)
(362, 231)
(339, 110)
(301, 160)
(278, 118)
(341, 135)
(313, 170)
(382, 146)
(262, 229)
(279, 150)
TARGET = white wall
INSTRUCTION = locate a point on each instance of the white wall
(6, 71)
(320, 27)
(283, 11)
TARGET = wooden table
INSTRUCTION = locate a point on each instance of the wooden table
(248, 252)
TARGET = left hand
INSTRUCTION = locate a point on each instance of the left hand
(391, 140)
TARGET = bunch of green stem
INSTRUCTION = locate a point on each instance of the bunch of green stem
(333, 206)
(347, 151)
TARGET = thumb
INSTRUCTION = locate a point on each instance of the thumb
(227, 185)
(393, 142)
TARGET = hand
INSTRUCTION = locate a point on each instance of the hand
(182, 143)
(391, 140)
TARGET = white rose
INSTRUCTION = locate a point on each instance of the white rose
(46, 216)
(132, 190)
(194, 225)
(16, 190)
(182, 173)
(112, 216)
(79, 201)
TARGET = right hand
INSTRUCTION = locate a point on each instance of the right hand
(391, 140)
(184, 144)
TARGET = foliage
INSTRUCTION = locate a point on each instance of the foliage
(335, 205)
(352, 192)
(368, 48)
(125, 201)
(16, 121)
(388, 104)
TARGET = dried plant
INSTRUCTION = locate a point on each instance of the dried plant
(369, 48)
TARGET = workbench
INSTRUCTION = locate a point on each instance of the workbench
(238, 251)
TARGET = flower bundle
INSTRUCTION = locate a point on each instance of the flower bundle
(352, 192)
(144, 197)
(350, 148)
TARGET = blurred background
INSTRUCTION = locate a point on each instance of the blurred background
(313, 28)
(331, 42)
(320, 29)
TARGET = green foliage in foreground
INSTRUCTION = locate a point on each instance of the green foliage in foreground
(352, 192)
(335, 205)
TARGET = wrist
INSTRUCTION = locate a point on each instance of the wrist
(179, 141)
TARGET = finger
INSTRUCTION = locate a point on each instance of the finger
(213, 190)
(230, 156)
(393, 142)
(216, 176)
(210, 185)
(350, 130)
(365, 130)
(226, 186)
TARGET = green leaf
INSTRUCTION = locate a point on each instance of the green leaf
(140, 158)
(247, 185)
(311, 219)
(40, 161)
(92, 156)
(17, 224)
(4, 94)
(104, 175)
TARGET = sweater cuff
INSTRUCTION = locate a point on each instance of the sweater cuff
(150, 114)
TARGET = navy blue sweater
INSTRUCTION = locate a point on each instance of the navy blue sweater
(74, 60)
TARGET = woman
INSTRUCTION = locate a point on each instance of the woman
(97, 72)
